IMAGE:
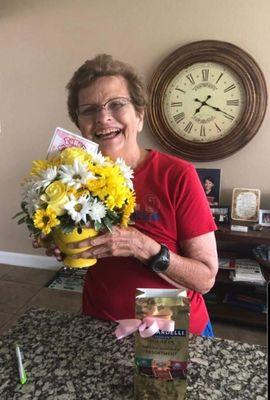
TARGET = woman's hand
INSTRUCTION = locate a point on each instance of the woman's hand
(47, 243)
(121, 242)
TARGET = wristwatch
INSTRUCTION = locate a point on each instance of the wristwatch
(160, 262)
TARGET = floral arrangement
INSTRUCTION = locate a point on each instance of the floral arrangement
(76, 189)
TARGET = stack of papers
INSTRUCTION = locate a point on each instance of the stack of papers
(226, 263)
(69, 279)
(247, 270)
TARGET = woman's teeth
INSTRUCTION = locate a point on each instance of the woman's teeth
(107, 134)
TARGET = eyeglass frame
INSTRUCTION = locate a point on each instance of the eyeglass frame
(98, 107)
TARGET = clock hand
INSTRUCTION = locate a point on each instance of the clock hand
(203, 103)
(198, 109)
(218, 109)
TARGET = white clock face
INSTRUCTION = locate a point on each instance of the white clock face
(204, 101)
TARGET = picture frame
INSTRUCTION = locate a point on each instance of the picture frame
(221, 215)
(245, 204)
(210, 180)
(264, 217)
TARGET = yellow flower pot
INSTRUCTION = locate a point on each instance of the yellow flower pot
(62, 239)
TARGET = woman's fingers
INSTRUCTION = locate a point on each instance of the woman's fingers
(50, 247)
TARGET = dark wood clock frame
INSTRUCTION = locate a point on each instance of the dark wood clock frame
(255, 99)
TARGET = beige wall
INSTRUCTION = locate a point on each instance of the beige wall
(42, 42)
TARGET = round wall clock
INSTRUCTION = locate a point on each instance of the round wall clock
(207, 100)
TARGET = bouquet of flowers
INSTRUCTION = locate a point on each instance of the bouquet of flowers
(76, 190)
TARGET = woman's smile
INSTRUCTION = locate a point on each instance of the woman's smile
(115, 129)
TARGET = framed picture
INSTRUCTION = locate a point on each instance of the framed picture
(210, 180)
(245, 204)
(264, 217)
(221, 215)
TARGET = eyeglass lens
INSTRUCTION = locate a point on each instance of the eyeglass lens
(112, 106)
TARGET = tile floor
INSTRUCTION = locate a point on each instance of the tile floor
(21, 288)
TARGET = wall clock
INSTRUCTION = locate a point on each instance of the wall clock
(207, 100)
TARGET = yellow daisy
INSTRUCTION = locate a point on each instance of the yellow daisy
(39, 165)
(45, 220)
(128, 209)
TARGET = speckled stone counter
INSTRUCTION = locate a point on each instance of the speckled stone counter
(71, 357)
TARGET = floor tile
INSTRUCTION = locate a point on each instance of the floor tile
(57, 300)
(9, 324)
(4, 317)
(15, 294)
(5, 269)
(29, 275)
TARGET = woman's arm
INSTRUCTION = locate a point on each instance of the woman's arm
(198, 266)
(195, 270)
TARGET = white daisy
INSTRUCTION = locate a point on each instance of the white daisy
(78, 208)
(46, 177)
(33, 201)
(75, 175)
(98, 158)
(126, 171)
(97, 210)
(28, 186)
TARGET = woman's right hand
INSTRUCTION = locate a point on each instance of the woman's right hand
(51, 249)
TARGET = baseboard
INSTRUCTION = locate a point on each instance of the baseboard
(29, 260)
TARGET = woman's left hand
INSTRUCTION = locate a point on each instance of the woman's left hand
(121, 242)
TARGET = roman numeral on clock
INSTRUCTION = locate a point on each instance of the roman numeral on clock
(218, 128)
(230, 117)
(190, 78)
(179, 117)
(202, 131)
(176, 104)
(205, 74)
(180, 90)
(219, 77)
(229, 88)
(188, 127)
(232, 102)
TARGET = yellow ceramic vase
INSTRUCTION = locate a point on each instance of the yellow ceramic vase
(62, 239)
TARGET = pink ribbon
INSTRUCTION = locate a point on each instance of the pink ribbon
(147, 327)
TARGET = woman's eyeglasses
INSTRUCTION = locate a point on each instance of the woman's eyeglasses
(115, 107)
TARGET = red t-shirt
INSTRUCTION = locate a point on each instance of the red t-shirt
(170, 207)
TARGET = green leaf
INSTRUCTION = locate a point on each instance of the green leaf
(115, 217)
(97, 226)
(18, 214)
(23, 205)
(108, 223)
(67, 228)
(22, 220)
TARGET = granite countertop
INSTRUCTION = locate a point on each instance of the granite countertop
(73, 357)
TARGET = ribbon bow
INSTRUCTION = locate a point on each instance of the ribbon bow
(147, 327)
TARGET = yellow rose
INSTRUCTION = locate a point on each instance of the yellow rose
(68, 155)
(56, 197)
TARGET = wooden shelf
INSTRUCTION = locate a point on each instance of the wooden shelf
(223, 279)
(240, 243)
(250, 237)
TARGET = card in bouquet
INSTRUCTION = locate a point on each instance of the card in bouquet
(63, 139)
(161, 359)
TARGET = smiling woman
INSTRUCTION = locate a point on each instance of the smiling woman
(168, 245)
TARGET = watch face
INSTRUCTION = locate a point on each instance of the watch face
(204, 102)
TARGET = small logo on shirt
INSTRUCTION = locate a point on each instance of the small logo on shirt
(148, 209)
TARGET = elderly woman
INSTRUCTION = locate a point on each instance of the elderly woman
(172, 242)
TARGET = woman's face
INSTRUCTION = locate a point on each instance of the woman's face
(115, 132)
(208, 185)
